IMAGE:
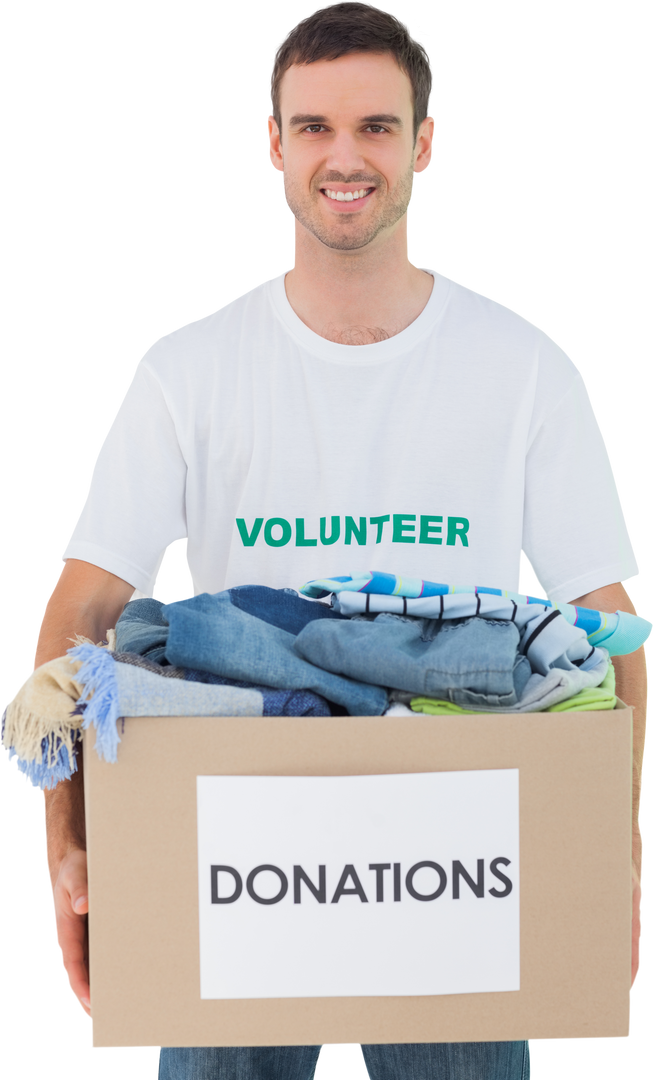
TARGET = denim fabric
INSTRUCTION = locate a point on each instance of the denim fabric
(142, 693)
(281, 607)
(239, 1063)
(547, 638)
(143, 629)
(473, 662)
(392, 1061)
(425, 656)
(448, 1061)
(275, 702)
(213, 634)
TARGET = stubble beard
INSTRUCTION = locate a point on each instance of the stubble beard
(346, 233)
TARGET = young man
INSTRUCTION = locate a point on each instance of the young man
(357, 412)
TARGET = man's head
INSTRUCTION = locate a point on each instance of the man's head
(354, 28)
(350, 93)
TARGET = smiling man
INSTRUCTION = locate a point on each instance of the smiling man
(357, 411)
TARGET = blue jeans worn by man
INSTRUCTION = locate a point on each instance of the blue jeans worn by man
(391, 1061)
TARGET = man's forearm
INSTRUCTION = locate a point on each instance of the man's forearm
(64, 804)
(631, 688)
(64, 819)
(86, 601)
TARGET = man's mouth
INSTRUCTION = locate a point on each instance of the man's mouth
(348, 200)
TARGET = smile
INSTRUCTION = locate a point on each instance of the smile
(348, 201)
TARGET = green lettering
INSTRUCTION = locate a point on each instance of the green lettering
(426, 527)
(300, 539)
(379, 522)
(359, 531)
(457, 527)
(249, 539)
(335, 531)
(286, 532)
(399, 528)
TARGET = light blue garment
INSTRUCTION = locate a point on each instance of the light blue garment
(142, 628)
(213, 634)
(619, 632)
(385, 1061)
(435, 659)
(113, 690)
(546, 638)
(475, 662)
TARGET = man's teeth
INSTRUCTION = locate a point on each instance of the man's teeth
(347, 196)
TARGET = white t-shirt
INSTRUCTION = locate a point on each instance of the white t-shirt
(438, 453)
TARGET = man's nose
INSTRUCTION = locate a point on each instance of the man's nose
(345, 154)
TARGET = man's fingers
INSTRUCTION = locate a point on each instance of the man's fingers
(637, 956)
(78, 979)
(71, 906)
(72, 934)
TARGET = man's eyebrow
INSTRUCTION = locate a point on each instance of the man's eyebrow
(379, 118)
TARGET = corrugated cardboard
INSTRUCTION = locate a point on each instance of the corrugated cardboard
(575, 822)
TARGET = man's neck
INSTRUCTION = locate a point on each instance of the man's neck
(356, 297)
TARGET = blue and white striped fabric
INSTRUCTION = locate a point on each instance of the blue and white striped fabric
(375, 592)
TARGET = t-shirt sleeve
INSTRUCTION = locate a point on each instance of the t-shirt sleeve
(136, 504)
(574, 530)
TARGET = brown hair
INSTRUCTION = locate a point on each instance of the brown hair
(351, 27)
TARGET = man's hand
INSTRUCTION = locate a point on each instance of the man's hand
(70, 890)
(637, 896)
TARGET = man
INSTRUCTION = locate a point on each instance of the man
(358, 411)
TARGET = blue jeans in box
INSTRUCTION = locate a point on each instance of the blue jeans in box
(142, 628)
(245, 633)
(392, 1061)
(225, 634)
(467, 661)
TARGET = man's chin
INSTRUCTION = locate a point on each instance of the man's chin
(345, 238)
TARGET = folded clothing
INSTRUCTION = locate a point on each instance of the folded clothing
(143, 628)
(227, 637)
(252, 651)
(619, 632)
(245, 636)
(275, 702)
(473, 662)
(592, 699)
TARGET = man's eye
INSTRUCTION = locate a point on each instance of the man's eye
(375, 128)
(314, 127)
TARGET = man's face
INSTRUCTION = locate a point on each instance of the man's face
(348, 154)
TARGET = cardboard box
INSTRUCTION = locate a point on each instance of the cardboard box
(575, 892)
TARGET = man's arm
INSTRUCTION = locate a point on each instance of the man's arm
(630, 674)
(87, 601)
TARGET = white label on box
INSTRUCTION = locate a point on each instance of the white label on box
(340, 886)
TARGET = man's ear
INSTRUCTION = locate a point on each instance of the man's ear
(424, 144)
(276, 150)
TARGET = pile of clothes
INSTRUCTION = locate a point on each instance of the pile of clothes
(361, 645)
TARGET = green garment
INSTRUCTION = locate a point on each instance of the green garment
(590, 700)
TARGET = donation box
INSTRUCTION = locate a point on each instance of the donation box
(284, 881)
